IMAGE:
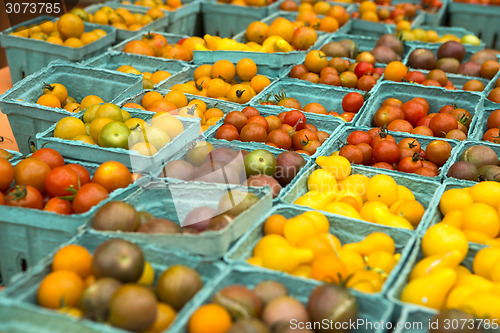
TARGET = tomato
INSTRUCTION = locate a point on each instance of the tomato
(430, 165)
(363, 68)
(49, 156)
(462, 116)
(425, 121)
(414, 76)
(280, 138)
(26, 196)
(366, 82)
(348, 116)
(446, 109)
(2, 199)
(426, 172)
(410, 143)
(352, 102)
(259, 120)
(31, 171)
(393, 102)
(237, 119)
(413, 111)
(297, 71)
(387, 114)
(253, 132)
(422, 101)
(311, 127)
(302, 137)
(227, 132)
(112, 175)
(295, 118)
(82, 173)
(400, 125)
(386, 151)
(438, 152)
(405, 152)
(60, 181)
(311, 146)
(6, 174)
(494, 119)
(250, 111)
(352, 153)
(89, 196)
(358, 137)
(410, 164)
(442, 123)
(330, 79)
(383, 165)
(422, 130)
(59, 206)
(382, 137)
(367, 151)
(492, 135)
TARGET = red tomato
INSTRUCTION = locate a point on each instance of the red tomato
(302, 137)
(352, 153)
(426, 172)
(387, 114)
(438, 152)
(442, 123)
(386, 151)
(413, 111)
(383, 165)
(348, 116)
(367, 151)
(363, 68)
(49, 156)
(352, 102)
(59, 206)
(446, 109)
(415, 76)
(410, 143)
(410, 164)
(60, 180)
(295, 118)
(89, 196)
(358, 137)
(25, 196)
(227, 132)
(82, 173)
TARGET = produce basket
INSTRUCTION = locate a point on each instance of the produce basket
(130, 158)
(226, 20)
(173, 200)
(21, 296)
(247, 146)
(478, 19)
(113, 60)
(159, 24)
(262, 68)
(429, 18)
(26, 56)
(27, 118)
(183, 20)
(436, 97)
(15, 155)
(482, 126)
(345, 229)
(488, 89)
(423, 189)
(372, 310)
(27, 235)
(328, 96)
(326, 123)
(411, 312)
(224, 106)
(341, 137)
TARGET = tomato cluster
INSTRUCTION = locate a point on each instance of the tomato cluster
(44, 181)
(438, 78)
(400, 12)
(379, 149)
(351, 104)
(288, 130)
(317, 68)
(493, 123)
(414, 117)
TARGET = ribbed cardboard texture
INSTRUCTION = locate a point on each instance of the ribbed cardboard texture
(247, 146)
(436, 97)
(226, 20)
(27, 118)
(423, 189)
(345, 229)
(173, 199)
(130, 158)
(27, 235)
(328, 96)
(341, 138)
(412, 313)
(478, 19)
(159, 24)
(326, 123)
(25, 56)
(371, 309)
(21, 296)
(112, 60)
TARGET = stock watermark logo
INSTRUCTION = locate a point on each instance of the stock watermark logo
(19, 11)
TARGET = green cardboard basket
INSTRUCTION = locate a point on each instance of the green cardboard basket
(15, 155)
(482, 125)
(27, 235)
(25, 56)
(173, 199)
(436, 97)
(341, 138)
(423, 189)
(488, 89)
(159, 24)
(27, 118)
(20, 298)
(112, 60)
(130, 158)
(345, 229)
(372, 310)
(328, 96)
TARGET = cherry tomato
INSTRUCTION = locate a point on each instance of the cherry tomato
(352, 153)
(438, 152)
(89, 196)
(60, 181)
(6, 174)
(82, 173)
(413, 111)
(367, 151)
(386, 151)
(410, 143)
(358, 137)
(59, 206)
(426, 172)
(442, 123)
(227, 132)
(363, 68)
(49, 156)
(295, 118)
(410, 164)
(302, 137)
(383, 165)
(31, 171)
(352, 102)
(26, 196)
